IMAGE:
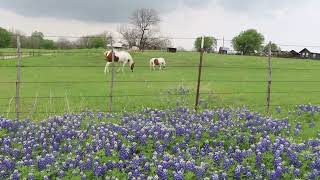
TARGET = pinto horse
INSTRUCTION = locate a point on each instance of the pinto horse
(119, 57)
(157, 62)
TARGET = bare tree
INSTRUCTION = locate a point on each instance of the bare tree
(130, 35)
(94, 41)
(83, 42)
(143, 31)
(157, 43)
(165, 43)
(144, 20)
(64, 43)
(107, 37)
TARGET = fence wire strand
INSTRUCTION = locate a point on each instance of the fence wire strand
(149, 81)
(162, 95)
(172, 66)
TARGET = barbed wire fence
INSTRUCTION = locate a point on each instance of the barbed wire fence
(19, 54)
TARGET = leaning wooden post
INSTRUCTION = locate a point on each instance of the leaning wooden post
(269, 80)
(112, 77)
(199, 75)
(18, 78)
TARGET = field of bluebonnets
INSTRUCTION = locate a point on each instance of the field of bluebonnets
(162, 144)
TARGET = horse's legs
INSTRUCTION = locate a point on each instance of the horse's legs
(123, 66)
(106, 68)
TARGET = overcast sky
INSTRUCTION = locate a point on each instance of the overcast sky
(281, 21)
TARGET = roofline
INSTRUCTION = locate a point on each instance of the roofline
(304, 49)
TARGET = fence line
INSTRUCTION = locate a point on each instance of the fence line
(96, 111)
(173, 66)
(147, 81)
(197, 94)
(163, 95)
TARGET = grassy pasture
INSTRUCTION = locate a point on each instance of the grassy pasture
(220, 85)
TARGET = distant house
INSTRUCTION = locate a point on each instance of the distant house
(117, 45)
(294, 54)
(134, 48)
(223, 50)
(288, 54)
(305, 53)
(172, 50)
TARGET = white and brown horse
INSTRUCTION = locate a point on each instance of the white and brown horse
(121, 57)
(157, 62)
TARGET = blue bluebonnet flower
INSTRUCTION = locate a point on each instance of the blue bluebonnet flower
(176, 138)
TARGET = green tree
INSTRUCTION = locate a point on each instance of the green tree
(274, 48)
(24, 41)
(97, 42)
(5, 38)
(209, 43)
(248, 41)
(48, 44)
(36, 39)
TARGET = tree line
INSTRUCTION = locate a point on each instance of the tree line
(37, 40)
(246, 43)
(141, 32)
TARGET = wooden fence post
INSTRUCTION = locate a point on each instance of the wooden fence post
(18, 78)
(112, 78)
(199, 75)
(269, 80)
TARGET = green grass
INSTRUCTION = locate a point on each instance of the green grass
(219, 84)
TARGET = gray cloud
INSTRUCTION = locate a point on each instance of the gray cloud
(257, 6)
(108, 11)
(91, 10)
